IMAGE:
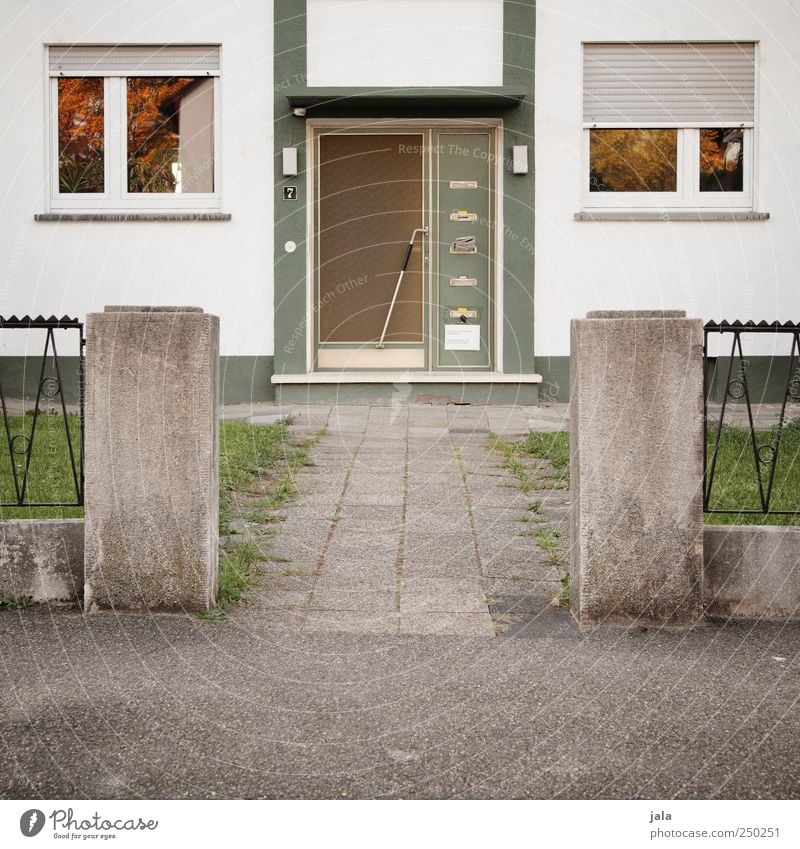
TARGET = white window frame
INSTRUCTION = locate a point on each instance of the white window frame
(687, 195)
(116, 197)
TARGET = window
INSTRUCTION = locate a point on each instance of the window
(134, 128)
(668, 125)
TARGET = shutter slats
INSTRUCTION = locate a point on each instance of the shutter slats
(669, 83)
(129, 59)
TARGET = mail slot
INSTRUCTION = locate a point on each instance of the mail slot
(464, 245)
(463, 315)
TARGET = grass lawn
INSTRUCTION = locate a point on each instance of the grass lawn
(50, 475)
(735, 481)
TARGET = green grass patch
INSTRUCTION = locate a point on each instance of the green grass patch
(736, 480)
(15, 602)
(50, 473)
(261, 460)
(550, 447)
(238, 577)
(548, 540)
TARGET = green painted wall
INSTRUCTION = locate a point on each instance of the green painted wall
(555, 379)
(246, 379)
(241, 379)
(766, 376)
(290, 215)
(386, 394)
(518, 226)
(519, 26)
(19, 376)
(766, 379)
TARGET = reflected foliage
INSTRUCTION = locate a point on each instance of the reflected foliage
(721, 160)
(633, 160)
(81, 135)
(153, 132)
(170, 134)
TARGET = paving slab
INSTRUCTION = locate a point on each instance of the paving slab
(354, 596)
(447, 623)
(351, 622)
(443, 595)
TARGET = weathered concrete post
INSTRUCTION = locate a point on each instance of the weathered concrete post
(152, 451)
(637, 468)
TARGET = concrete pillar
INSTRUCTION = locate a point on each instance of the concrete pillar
(637, 468)
(152, 459)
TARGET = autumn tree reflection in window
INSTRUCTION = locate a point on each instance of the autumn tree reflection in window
(81, 135)
(722, 160)
(170, 134)
(633, 160)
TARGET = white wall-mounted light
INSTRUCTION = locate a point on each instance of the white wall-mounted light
(290, 162)
(519, 159)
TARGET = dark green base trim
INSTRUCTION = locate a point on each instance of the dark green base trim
(19, 377)
(344, 99)
(241, 379)
(766, 379)
(555, 379)
(389, 394)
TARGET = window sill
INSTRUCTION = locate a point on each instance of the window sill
(133, 216)
(671, 215)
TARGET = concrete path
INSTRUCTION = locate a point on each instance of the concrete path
(407, 524)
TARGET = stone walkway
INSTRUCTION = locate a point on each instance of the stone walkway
(408, 523)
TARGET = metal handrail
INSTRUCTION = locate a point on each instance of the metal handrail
(406, 258)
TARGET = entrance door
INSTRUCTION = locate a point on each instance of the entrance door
(416, 200)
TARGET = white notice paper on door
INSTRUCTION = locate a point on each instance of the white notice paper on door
(462, 337)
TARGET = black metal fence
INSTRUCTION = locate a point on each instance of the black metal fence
(56, 471)
(749, 415)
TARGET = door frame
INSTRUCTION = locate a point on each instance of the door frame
(313, 127)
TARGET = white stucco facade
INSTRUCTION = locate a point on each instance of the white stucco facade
(77, 267)
(405, 42)
(721, 269)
